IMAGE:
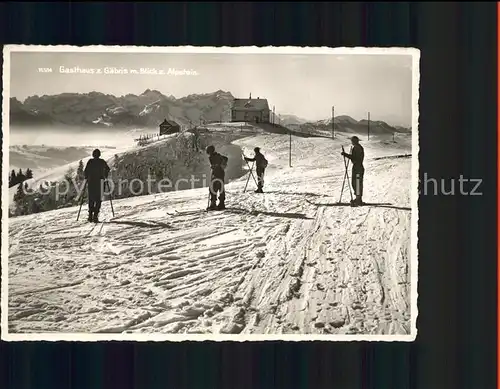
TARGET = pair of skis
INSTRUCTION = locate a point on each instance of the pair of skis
(208, 205)
(250, 174)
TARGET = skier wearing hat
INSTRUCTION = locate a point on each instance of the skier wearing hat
(260, 167)
(95, 172)
(358, 171)
(218, 163)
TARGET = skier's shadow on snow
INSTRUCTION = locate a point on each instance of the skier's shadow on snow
(275, 214)
(378, 205)
(141, 224)
(296, 193)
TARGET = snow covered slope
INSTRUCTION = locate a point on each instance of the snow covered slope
(60, 159)
(289, 261)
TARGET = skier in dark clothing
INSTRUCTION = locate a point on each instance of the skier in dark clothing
(260, 167)
(358, 171)
(218, 163)
(95, 172)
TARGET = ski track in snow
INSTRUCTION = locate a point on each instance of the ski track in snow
(289, 261)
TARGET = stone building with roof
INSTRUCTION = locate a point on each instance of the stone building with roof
(250, 110)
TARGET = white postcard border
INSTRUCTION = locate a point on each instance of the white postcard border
(141, 337)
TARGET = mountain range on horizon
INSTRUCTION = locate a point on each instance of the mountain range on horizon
(99, 110)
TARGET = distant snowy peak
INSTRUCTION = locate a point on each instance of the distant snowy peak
(345, 119)
(218, 95)
(348, 120)
(347, 124)
(115, 110)
(101, 120)
(342, 119)
(323, 122)
(149, 92)
(26, 115)
(403, 129)
(289, 119)
(150, 108)
(97, 109)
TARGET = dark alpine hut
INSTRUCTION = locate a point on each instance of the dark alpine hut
(169, 127)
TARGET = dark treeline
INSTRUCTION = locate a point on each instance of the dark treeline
(45, 197)
(19, 177)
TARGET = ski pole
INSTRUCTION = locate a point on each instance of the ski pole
(346, 175)
(81, 200)
(110, 199)
(248, 179)
(251, 172)
(343, 181)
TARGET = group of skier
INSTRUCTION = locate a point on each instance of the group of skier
(218, 163)
(98, 170)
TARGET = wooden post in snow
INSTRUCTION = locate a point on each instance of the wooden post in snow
(368, 125)
(333, 122)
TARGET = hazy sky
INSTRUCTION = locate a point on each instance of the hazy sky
(304, 85)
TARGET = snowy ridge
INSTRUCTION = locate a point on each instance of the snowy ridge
(289, 261)
(149, 108)
(95, 110)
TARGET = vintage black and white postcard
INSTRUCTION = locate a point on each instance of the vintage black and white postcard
(202, 193)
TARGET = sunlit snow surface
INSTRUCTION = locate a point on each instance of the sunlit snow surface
(289, 261)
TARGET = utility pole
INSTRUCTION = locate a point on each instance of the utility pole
(333, 122)
(368, 125)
